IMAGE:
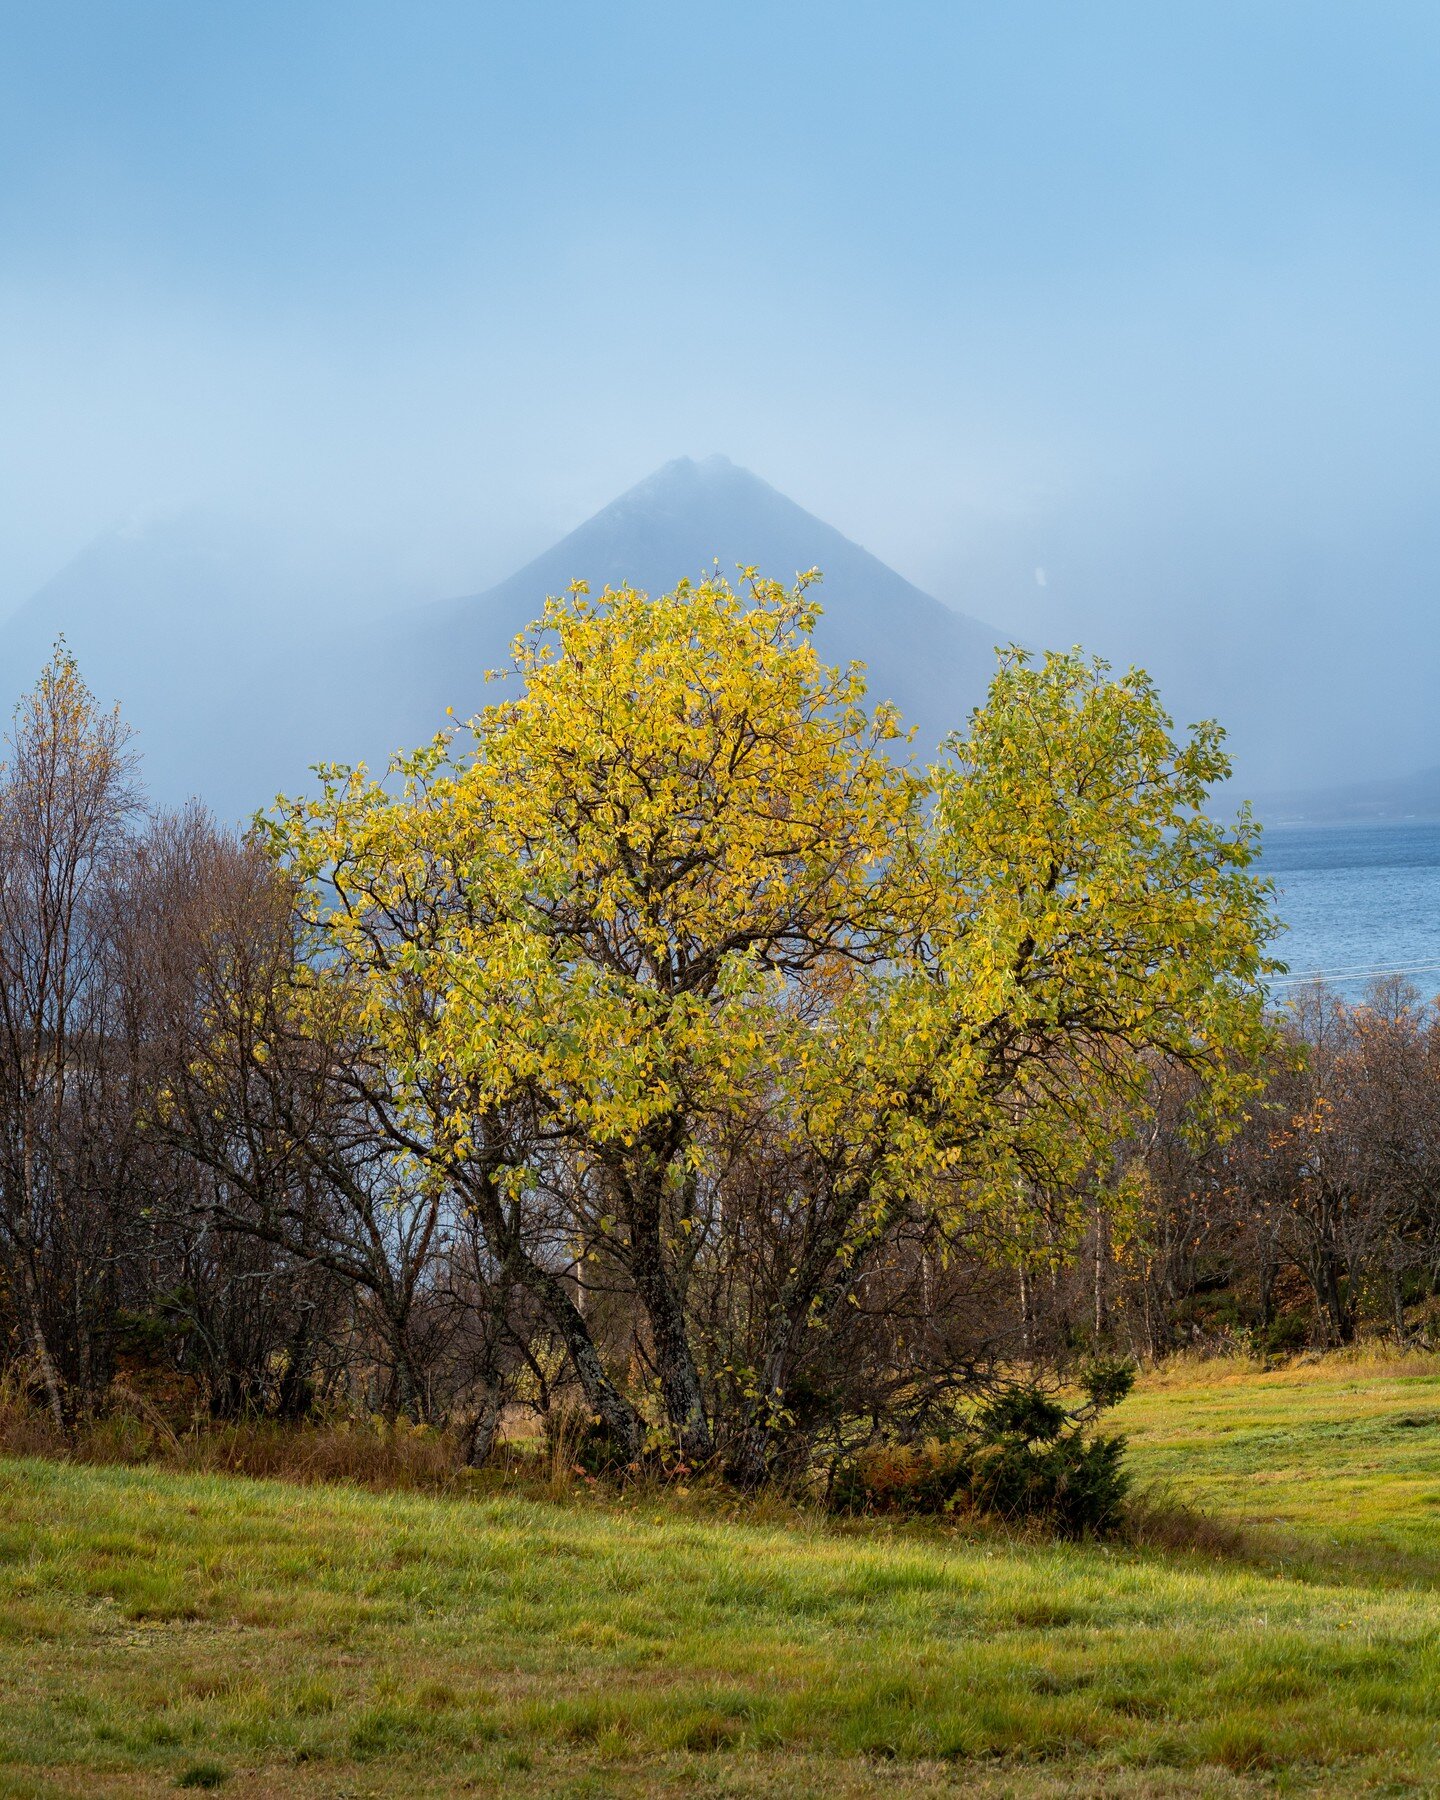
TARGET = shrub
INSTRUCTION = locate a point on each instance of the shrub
(1021, 1456)
(1286, 1333)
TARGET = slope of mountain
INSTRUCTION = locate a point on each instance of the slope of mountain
(932, 661)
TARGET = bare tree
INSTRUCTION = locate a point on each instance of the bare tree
(68, 810)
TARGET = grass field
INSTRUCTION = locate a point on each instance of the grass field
(161, 1631)
(1329, 1463)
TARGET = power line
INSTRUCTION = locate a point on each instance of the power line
(1353, 974)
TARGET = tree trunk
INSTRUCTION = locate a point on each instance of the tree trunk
(1336, 1313)
(1026, 1333)
(1267, 1292)
(1099, 1278)
(750, 1465)
(1397, 1302)
(679, 1378)
(680, 1388)
(49, 1373)
(483, 1428)
(601, 1394)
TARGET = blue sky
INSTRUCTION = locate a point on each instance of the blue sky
(1106, 321)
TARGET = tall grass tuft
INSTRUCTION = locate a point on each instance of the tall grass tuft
(1155, 1518)
(368, 1452)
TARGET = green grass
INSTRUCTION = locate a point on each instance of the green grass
(162, 1632)
(1326, 1464)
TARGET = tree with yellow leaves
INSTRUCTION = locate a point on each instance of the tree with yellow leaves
(678, 908)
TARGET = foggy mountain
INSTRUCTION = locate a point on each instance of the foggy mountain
(241, 659)
(218, 640)
(931, 660)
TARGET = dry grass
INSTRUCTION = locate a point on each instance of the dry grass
(1157, 1518)
(366, 1452)
(1188, 1369)
(548, 1775)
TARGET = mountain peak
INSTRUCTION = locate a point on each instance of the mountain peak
(686, 481)
(686, 518)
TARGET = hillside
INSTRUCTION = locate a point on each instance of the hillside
(221, 641)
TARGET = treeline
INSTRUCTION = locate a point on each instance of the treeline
(187, 1190)
(664, 1051)
(1312, 1219)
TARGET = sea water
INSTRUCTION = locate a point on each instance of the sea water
(1359, 901)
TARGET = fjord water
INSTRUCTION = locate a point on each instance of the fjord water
(1359, 901)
